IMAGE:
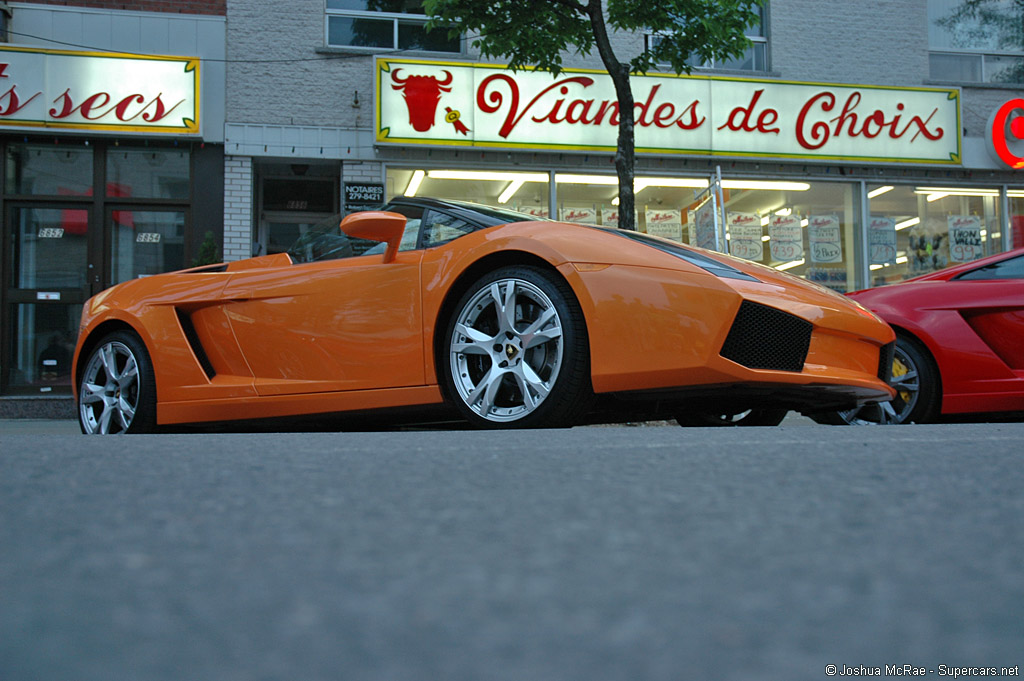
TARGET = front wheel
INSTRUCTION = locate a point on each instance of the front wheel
(750, 417)
(117, 391)
(918, 392)
(516, 351)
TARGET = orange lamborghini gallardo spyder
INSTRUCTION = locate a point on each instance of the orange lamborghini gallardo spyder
(450, 309)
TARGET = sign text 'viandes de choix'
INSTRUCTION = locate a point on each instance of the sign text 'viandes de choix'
(483, 105)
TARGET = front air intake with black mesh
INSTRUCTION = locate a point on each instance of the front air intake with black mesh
(762, 337)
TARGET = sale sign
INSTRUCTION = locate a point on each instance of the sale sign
(882, 240)
(587, 215)
(705, 225)
(745, 234)
(964, 238)
(825, 238)
(786, 238)
(665, 223)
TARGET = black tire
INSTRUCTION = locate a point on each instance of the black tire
(527, 369)
(117, 389)
(751, 417)
(918, 392)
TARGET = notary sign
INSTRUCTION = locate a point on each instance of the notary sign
(484, 105)
(98, 91)
(363, 194)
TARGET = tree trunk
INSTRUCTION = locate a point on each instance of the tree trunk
(625, 155)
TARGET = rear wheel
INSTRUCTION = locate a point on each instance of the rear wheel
(516, 351)
(750, 417)
(918, 392)
(117, 392)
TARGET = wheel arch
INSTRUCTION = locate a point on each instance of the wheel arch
(93, 339)
(470, 274)
(929, 355)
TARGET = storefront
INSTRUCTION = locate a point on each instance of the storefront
(108, 175)
(850, 186)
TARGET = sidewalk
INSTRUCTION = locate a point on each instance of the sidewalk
(39, 427)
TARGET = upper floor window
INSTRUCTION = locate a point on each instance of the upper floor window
(755, 58)
(976, 41)
(384, 25)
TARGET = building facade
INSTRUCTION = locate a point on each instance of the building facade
(855, 144)
(894, 160)
(111, 131)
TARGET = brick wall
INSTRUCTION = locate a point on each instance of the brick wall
(214, 7)
(882, 42)
(238, 207)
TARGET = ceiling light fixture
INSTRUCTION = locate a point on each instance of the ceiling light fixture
(510, 190)
(414, 183)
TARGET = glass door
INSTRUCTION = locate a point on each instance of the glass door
(145, 242)
(50, 272)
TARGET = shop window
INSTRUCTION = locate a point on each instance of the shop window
(806, 229)
(979, 45)
(384, 25)
(526, 192)
(914, 230)
(46, 170)
(49, 248)
(147, 173)
(1016, 237)
(146, 242)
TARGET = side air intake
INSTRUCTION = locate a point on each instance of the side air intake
(762, 337)
(885, 360)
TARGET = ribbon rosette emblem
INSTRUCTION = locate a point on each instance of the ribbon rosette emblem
(453, 118)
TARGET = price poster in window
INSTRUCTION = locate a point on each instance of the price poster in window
(587, 215)
(882, 240)
(825, 238)
(665, 223)
(704, 226)
(610, 217)
(787, 238)
(964, 238)
(745, 236)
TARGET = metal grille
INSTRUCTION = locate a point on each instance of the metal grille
(885, 360)
(762, 337)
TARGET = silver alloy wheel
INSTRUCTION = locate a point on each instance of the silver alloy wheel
(506, 350)
(109, 396)
(907, 382)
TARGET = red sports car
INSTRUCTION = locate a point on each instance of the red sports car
(959, 343)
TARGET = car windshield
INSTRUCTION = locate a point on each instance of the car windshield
(326, 241)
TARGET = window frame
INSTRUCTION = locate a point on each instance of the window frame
(984, 54)
(396, 19)
(760, 39)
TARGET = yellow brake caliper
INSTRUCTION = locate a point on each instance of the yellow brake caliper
(900, 369)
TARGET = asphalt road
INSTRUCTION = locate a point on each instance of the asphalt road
(592, 553)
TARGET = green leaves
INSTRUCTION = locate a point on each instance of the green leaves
(539, 32)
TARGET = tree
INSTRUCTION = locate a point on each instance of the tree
(537, 33)
(208, 254)
(991, 24)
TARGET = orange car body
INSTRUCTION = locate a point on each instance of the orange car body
(268, 337)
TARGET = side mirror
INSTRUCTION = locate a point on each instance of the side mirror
(377, 225)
